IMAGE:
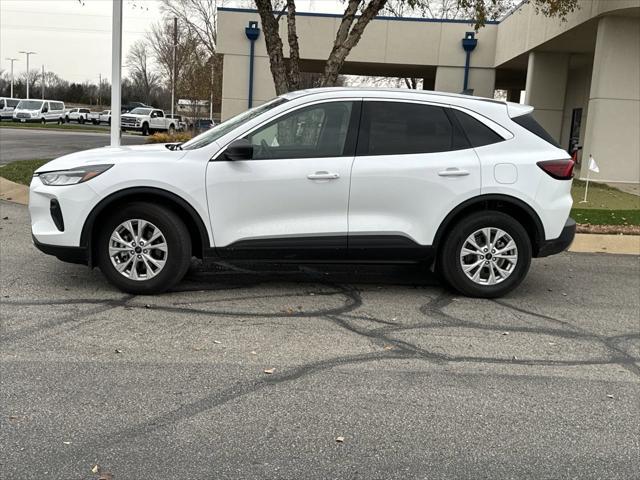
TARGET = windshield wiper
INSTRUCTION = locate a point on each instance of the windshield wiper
(174, 146)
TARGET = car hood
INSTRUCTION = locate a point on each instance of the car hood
(141, 153)
(133, 115)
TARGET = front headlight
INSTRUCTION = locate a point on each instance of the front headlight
(73, 176)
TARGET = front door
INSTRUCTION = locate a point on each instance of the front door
(290, 200)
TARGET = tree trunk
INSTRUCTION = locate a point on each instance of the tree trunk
(348, 37)
(274, 45)
(294, 48)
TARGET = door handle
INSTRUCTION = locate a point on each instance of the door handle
(453, 172)
(323, 176)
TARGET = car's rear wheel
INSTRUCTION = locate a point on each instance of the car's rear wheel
(144, 248)
(486, 254)
(43, 121)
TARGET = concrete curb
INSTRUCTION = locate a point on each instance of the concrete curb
(583, 243)
(14, 192)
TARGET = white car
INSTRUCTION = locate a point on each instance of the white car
(7, 105)
(147, 120)
(79, 115)
(474, 186)
(42, 111)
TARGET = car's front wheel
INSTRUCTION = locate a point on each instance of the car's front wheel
(486, 254)
(144, 248)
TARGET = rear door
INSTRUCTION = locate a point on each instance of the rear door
(413, 165)
(290, 200)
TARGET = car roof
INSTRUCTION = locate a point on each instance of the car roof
(386, 92)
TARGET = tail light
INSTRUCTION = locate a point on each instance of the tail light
(558, 169)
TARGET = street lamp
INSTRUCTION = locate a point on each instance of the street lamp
(27, 54)
(12, 60)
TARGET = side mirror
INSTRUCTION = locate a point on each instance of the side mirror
(239, 149)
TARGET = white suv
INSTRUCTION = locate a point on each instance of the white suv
(474, 186)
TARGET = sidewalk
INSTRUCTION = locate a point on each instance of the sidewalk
(13, 192)
(584, 242)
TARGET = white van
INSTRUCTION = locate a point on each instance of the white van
(7, 105)
(39, 111)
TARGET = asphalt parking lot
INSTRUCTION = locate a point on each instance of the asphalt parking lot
(33, 143)
(418, 382)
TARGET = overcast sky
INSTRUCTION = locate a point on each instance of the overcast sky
(74, 40)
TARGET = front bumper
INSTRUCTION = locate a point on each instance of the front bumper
(560, 244)
(26, 120)
(66, 254)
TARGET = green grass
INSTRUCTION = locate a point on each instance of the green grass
(603, 197)
(54, 126)
(21, 171)
(606, 217)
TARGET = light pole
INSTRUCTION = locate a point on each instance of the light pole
(12, 60)
(116, 72)
(173, 68)
(27, 54)
(42, 82)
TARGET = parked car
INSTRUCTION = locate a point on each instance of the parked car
(100, 117)
(147, 120)
(7, 106)
(475, 187)
(39, 111)
(203, 124)
(79, 115)
(181, 125)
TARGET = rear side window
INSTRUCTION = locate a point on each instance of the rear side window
(56, 106)
(12, 103)
(477, 132)
(396, 128)
(527, 121)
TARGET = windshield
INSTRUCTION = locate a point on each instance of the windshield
(140, 111)
(225, 127)
(30, 104)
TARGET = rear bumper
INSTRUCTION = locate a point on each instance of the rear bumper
(560, 244)
(66, 254)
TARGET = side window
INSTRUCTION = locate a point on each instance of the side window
(159, 113)
(56, 106)
(395, 128)
(310, 132)
(477, 132)
(13, 103)
(2, 103)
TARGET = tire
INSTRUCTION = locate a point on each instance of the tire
(43, 121)
(450, 262)
(66, 119)
(172, 129)
(177, 256)
(145, 129)
(81, 120)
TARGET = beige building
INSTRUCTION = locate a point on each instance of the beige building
(581, 75)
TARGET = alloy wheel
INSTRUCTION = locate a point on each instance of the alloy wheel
(138, 249)
(488, 256)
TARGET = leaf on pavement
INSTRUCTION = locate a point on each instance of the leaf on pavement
(269, 371)
(95, 468)
(340, 439)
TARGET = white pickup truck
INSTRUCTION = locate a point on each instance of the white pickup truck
(147, 120)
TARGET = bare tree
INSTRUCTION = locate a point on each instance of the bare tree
(140, 70)
(200, 16)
